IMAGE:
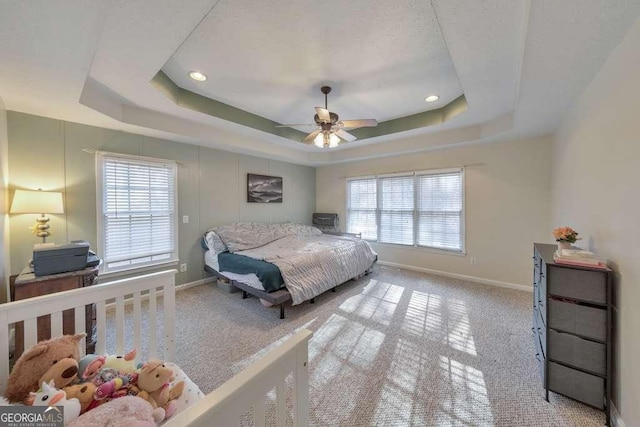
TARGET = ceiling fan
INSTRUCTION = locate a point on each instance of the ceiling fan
(330, 130)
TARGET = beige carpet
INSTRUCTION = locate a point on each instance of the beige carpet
(395, 348)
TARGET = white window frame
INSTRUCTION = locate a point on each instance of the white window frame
(347, 209)
(416, 176)
(99, 166)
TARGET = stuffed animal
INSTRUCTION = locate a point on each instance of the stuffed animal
(84, 393)
(51, 396)
(153, 380)
(123, 364)
(55, 359)
(115, 387)
(126, 411)
(89, 366)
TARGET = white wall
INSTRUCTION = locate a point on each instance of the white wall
(507, 206)
(48, 154)
(5, 261)
(595, 190)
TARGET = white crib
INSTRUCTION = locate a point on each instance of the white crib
(224, 406)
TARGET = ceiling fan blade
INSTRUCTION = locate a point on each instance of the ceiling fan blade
(323, 115)
(296, 124)
(362, 123)
(345, 135)
(312, 136)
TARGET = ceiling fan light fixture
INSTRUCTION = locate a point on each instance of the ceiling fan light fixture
(432, 98)
(197, 76)
(333, 140)
(326, 140)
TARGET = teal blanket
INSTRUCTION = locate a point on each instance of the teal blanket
(269, 274)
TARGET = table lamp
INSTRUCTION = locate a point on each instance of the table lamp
(42, 202)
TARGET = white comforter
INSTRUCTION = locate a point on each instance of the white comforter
(314, 264)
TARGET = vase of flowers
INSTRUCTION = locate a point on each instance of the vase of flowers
(565, 236)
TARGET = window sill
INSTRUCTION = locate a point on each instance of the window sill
(418, 249)
(135, 270)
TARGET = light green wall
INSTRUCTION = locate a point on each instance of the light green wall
(46, 153)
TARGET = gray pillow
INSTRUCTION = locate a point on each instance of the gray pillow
(214, 242)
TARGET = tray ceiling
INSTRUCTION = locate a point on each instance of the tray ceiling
(519, 65)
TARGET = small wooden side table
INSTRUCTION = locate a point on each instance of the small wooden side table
(27, 285)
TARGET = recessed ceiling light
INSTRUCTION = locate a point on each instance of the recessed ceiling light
(197, 76)
(432, 98)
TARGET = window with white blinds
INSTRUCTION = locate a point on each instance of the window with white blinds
(362, 204)
(136, 211)
(396, 209)
(439, 210)
(422, 209)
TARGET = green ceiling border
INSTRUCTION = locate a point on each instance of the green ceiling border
(193, 101)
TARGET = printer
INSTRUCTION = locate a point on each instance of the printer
(72, 256)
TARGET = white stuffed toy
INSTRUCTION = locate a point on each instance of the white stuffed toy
(51, 396)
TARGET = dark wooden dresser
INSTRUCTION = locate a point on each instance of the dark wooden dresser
(27, 285)
(572, 328)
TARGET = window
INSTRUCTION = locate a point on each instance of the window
(396, 209)
(136, 211)
(439, 210)
(422, 209)
(361, 207)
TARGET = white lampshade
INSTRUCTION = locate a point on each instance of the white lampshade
(42, 202)
(333, 140)
(324, 140)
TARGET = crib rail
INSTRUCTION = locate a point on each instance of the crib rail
(226, 405)
(132, 290)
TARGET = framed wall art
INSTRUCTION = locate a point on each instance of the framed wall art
(264, 189)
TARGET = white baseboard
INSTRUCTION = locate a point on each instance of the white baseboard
(616, 419)
(195, 283)
(182, 287)
(459, 276)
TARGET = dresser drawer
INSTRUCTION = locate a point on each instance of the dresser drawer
(577, 352)
(585, 285)
(539, 356)
(577, 385)
(542, 335)
(578, 319)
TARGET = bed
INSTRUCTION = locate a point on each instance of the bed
(247, 391)
(282, 262)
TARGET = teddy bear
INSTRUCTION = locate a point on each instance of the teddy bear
(51, 360)
(153, 382)
(84, 393)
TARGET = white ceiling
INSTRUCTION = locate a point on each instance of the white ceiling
(520, 65)
(270, 57)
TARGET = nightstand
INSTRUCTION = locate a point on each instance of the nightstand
(27, 285)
